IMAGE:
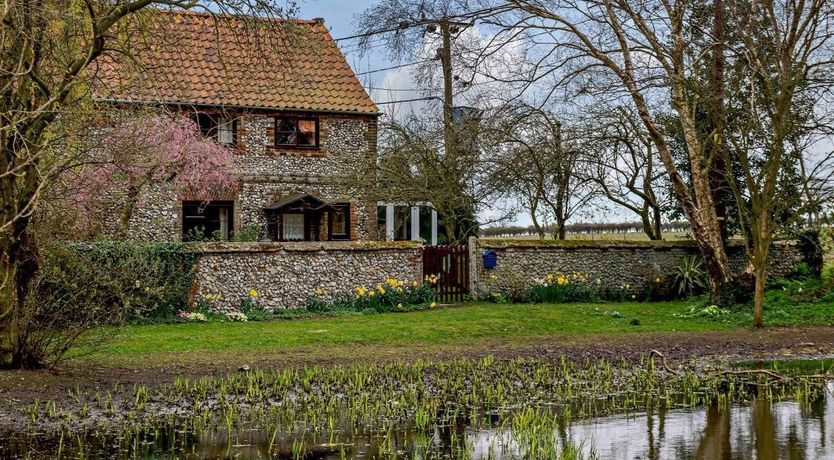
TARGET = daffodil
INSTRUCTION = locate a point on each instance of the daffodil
(433, 305)
(253, 293)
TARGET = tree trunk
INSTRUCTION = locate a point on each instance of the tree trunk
(123, 224)
(651, 223)
(716, 143)
(536, 225)
(9, 328)
(18, 265)
(717, 265)
(762, 238)
(758, 302)
(658, 229)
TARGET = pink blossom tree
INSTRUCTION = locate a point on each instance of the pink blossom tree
(131, 156)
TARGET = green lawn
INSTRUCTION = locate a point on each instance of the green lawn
(470, 325)
(474, 326)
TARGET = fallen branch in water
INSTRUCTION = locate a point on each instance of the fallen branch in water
(768, 372)
(663, 362)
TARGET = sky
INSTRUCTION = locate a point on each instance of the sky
(339, 16)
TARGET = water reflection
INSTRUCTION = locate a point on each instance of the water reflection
(761, 429)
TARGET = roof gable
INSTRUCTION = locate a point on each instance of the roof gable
(220, 60)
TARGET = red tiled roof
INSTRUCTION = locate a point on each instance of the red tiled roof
(220, 60)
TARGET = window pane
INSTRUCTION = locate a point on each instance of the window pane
(402, 223)
(339, 221)
(307, 133)
(381, 219)
(285, 132)
(226, 132)
(206, 123)
(425, 223)
(204, 221)
(293, 226)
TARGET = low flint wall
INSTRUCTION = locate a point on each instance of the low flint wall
(615, 264)
(286, 275)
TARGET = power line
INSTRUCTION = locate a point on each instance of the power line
(377, 88)
(400, 66)
(429, 98)
(472, 15)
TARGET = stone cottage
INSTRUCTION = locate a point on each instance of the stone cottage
(282, 95)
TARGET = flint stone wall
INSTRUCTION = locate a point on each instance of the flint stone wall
(267, 173)
(615, 264)
(286, 275)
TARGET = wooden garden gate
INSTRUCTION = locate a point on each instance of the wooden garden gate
(451, 266)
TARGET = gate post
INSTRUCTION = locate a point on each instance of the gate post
(474, 267)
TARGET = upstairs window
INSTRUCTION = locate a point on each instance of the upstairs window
(296, 132)
(220, 128)
(227, 132)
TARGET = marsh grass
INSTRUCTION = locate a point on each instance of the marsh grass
(400, 410)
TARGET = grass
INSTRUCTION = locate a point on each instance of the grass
(470, 326)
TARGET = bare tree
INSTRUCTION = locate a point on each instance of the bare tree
(637, 51)
(412, 167)
(622, 160)
(645, 52)
(785, 56)
(536, 165)
(815, 164)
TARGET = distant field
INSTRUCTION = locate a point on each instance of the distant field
(633, 236)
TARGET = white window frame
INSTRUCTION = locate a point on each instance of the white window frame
(415, 221)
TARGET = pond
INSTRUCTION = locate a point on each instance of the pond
(408, 415)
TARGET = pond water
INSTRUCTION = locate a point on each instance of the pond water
(760, 428)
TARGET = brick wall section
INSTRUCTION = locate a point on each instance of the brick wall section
(287, 274)
(614, 263)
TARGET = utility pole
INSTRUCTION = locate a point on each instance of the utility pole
(449, 134)
(455, 219)
(445, 52)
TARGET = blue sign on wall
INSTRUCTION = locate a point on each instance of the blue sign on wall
(490, 259)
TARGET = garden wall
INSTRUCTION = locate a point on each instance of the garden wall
(615, 263)
(285, 275)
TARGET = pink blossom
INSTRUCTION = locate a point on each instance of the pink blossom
(128, 156)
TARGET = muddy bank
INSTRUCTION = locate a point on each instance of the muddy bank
(19, 388)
